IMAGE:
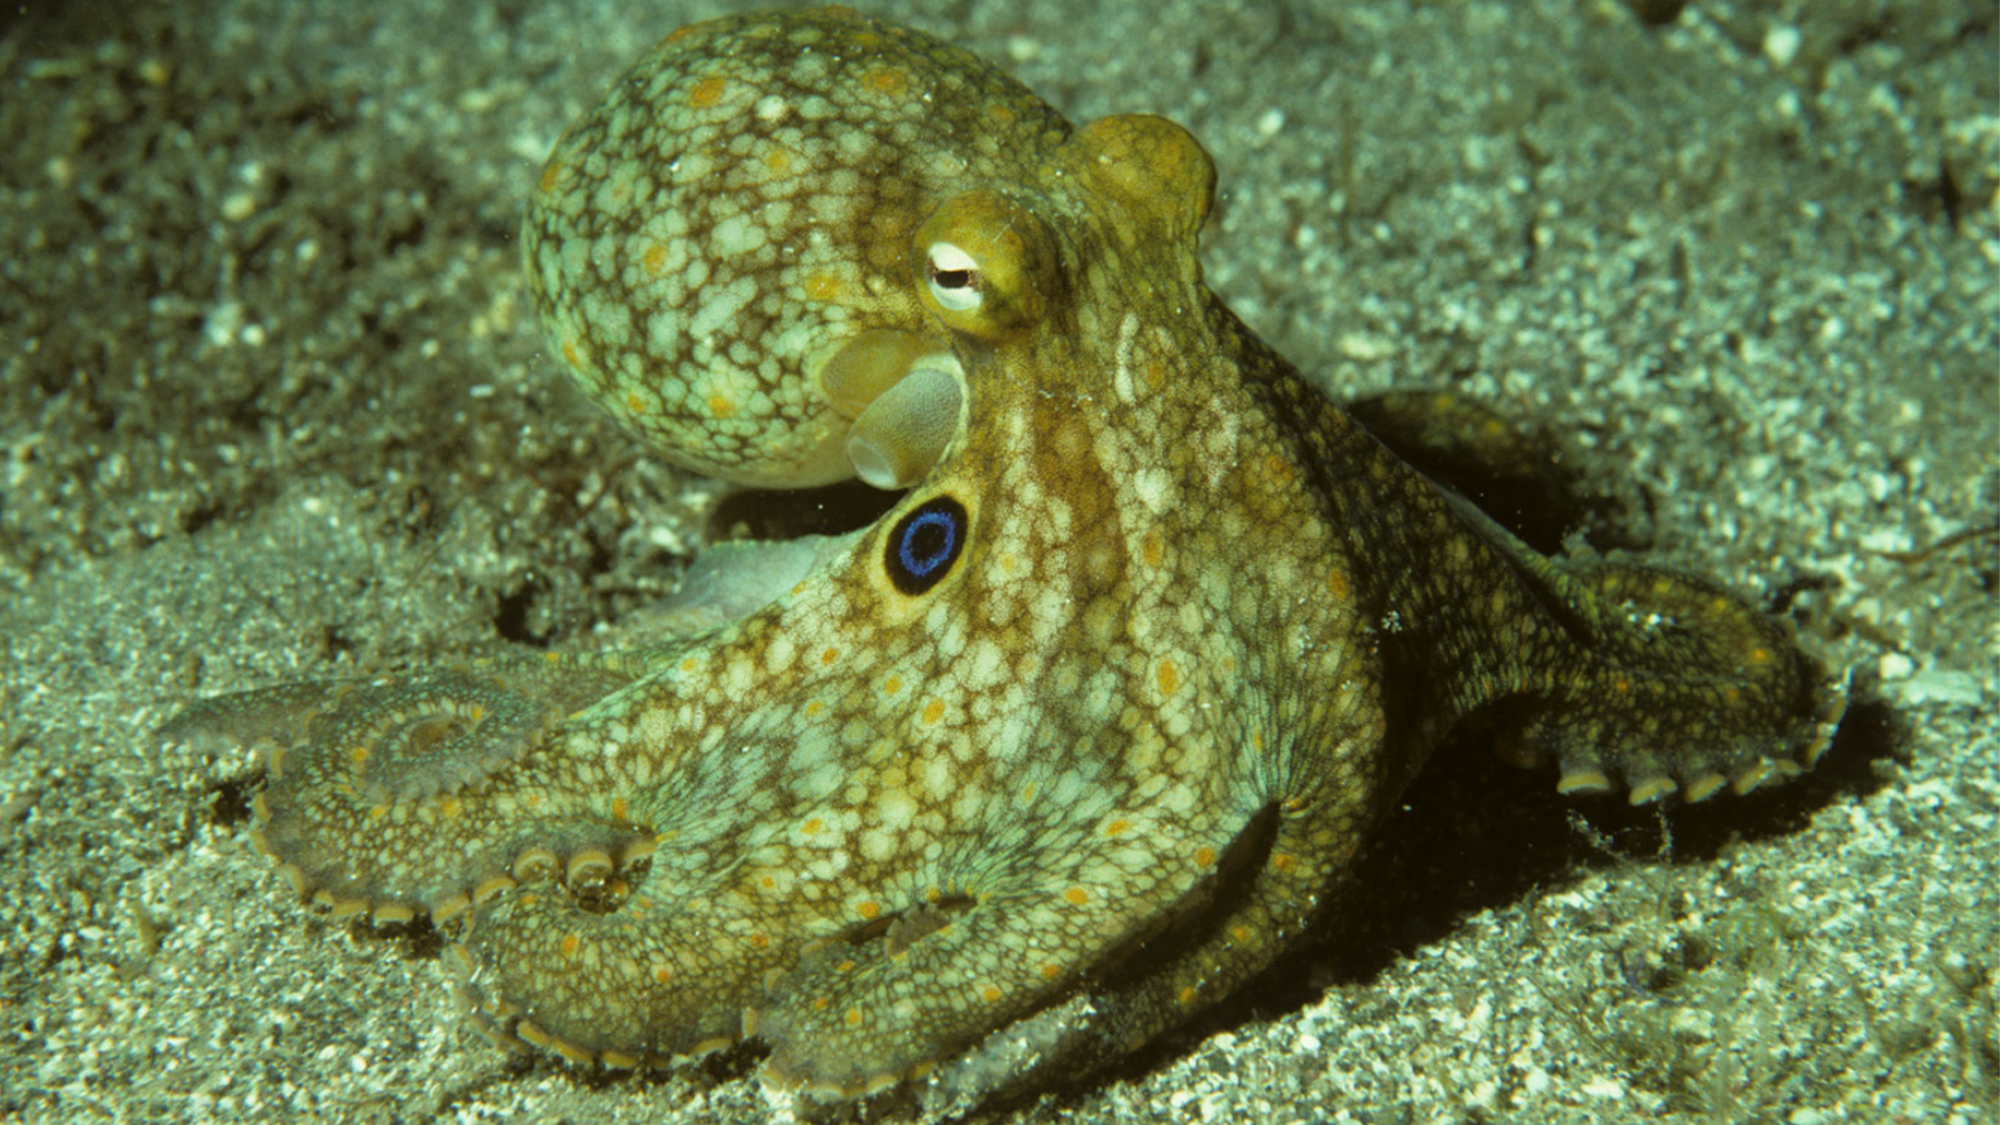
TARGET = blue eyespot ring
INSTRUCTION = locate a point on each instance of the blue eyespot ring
(924, 543)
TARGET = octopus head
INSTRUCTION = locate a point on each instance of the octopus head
(717, 250)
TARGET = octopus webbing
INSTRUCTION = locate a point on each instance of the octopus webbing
(1102, 707)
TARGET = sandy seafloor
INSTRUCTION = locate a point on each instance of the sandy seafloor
(272, 404)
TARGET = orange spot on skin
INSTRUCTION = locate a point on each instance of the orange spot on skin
(1169, 676)
(1117, 826)
(1076, 896)
(1051, 971)
(619, 808)
(1186, 996)
(662, 974)
(690, 664)
(869, 909)
(450, 808)
(853, 1017)
(892, 685)
(1282, 862)
(1152, 549)
(1205, 857)
(990, 994)
(721, 405)
(767, 883)
(707, 92)
(570, 355)
(777, 162)
(823, 287)
(634, 404)
(1336, 585)
(844, 967)
(570, 944)
(814, 708)
(1001, 115)
(1760, 656)
(759, 941)
(812, 827)
(821, 1003)
(1156, 375)
(934, 710)
(828, 656)
(1240, 933)
(886, 80)
(551, 172)
(655, 259)
(1279, 468)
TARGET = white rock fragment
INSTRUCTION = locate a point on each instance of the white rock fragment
(1781, 44)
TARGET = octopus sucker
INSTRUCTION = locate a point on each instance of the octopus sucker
(1077, 735)
(1705, 786)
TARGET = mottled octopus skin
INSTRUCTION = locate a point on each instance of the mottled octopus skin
(1191, 634)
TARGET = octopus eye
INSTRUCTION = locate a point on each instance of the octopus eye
(924, 544)
(954, 277)
(984, 265)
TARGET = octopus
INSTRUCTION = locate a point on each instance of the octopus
(1093, 719)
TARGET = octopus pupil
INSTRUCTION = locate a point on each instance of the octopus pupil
(952, 279)
(925, 543)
